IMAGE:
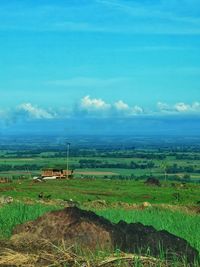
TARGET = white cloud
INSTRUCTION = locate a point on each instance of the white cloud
(90, 104)
(99, 107)
(96, 107)
(123, 109)
(119, 108)
(137, 110)
(120, 105)
(179, 107)
(182, 107)
(163, 107)
(35, 112)
(196, 106)
(126, 110)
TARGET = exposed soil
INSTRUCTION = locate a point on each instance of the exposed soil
(7, 188)
(95, 173)
(103, 204)
(153, 182)
(92, 232)
(93, 192)
(189, 209)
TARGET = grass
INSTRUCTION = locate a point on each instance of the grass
(18, 213)
(112, 191)
(62, 256)
(83, 190)
(43, 162)
(180, 224)
(177, 223)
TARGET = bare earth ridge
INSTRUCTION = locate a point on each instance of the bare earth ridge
(90, 231)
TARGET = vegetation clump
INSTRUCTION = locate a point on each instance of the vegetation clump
(152, 181)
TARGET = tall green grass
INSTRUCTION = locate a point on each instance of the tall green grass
(18, 213)
(177, 223)
(180, 224)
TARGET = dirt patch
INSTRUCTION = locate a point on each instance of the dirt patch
(188, 209)
(92, 232)
(95, 173)
(152, 181)
(103, 204)
(7, 188)
(93, 192)
(195, 209)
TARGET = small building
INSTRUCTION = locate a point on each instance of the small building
(52, 173)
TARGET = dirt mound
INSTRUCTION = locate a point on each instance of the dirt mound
(73, 225)
(152, 181)
(90, 231)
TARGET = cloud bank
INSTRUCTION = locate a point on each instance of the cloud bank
(92, 104)
(35, 112)
(179, 108)
(99, 108)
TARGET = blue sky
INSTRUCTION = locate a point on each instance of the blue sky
(107, 58)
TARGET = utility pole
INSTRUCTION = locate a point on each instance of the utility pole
(68, 146)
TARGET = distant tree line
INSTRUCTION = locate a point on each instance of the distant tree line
(181, 169)
(187, 157)
(89, 163)
(23, 167)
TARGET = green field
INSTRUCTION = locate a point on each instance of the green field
(109, 182)
(131, 164)
(86, 191)
(129, 191)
